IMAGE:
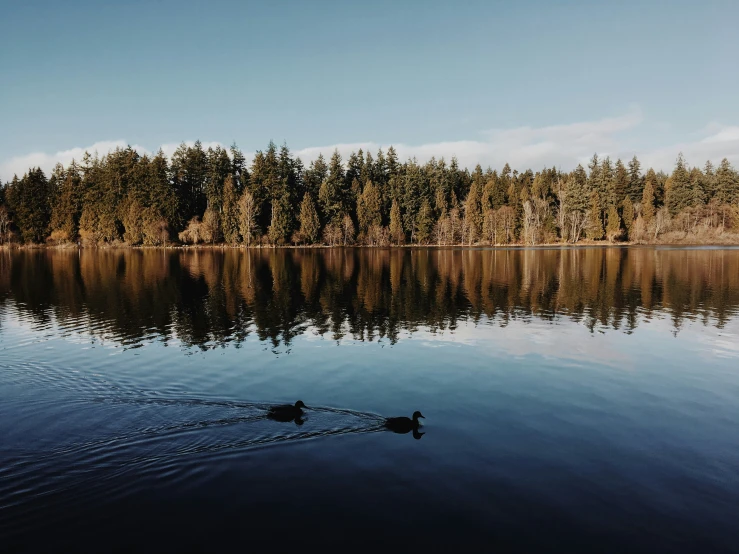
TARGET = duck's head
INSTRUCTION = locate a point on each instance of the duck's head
(416, 415)
(299, 404)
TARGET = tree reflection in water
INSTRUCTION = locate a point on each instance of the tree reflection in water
(207, 298)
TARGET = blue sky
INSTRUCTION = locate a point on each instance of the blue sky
(531, 82)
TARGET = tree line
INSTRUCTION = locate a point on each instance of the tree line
(213, 196)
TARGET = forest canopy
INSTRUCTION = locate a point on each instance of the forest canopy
(214, 196)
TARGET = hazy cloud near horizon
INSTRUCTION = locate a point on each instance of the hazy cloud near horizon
(562, 146)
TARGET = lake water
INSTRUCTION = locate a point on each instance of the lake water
(575, 399)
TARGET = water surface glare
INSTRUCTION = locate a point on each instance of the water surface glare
(575, 399)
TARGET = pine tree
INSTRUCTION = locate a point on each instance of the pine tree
(28, 199)
(595, 222)
(310, 225)
(577, 195)
(189, 171)
(238, 169)
(279, 228)
(219, 167)
(368, 207)
(425, 223)
(332, 194)
(472, 214)
(679, 194)
(66, 210)
(697, 192)
(628, 216)
(647, 202)
(727, 184)
(396, 226)
(230, 213)
(636, 181)
(613, 229)
(619, 185)
(161, 197)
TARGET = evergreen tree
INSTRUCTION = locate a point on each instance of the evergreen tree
(628, 216)
(368, 207)
(396, 225)
(332, 194)
(219, 167)
(28, 199)
(679, 194)
(66, 209)
(279, 228)
(619, 185)
(727, 184)
(472, 211)
(710, 183)
(594, 229)
(238, 169)
(230, 214)
(161, 197)
(425, 223)
(697, 194)
(577, 195)
(613, 228)
(647, 203)
(315, 175)
(189, 170)
(636, 181)
(412, 197)
(310, 226)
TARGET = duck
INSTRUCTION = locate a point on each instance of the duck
(287, 412)
(404, 424)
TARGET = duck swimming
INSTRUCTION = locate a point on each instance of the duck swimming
(404, 424)
(287, 412)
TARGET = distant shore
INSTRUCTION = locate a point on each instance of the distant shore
(729, 239)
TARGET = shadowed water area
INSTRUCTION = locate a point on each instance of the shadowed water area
(575, 399)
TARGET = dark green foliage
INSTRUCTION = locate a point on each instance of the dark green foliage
(578, 194)
(727, 184)
(628, 216)
(424, 223)
(189, 170)
(28, 199)
(66, 203)
(679, 194)
(595, 223)
(636, 181)
(333, 194)
(230, 214)
(396, 225)
(647, 200)
(613, 227)
(368, 207)
(310, 226)
(619, 185)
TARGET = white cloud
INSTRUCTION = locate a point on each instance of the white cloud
(723, 142)
(562, 146)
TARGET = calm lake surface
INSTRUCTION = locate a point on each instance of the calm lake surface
(575, 399)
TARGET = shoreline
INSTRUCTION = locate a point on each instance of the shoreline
(518, 246)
